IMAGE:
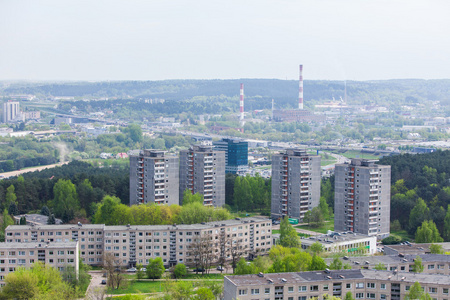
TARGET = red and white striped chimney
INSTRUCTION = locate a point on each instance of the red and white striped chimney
(241, 103)
(300, 89)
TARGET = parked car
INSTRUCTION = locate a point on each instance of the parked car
(103, 281)
(219, 268)
(199, 270)
(132, 270)
(143, 269)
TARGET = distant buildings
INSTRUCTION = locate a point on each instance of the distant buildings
(362, 197)
(202, 170)
(11, 111)
(296, 115)
(154, 178)
(295, 183)
(236, 155)
(343, 242)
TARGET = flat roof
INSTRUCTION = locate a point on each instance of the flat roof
(414, 248)
(336, 237)
(316, 276)
(236, 221)
(391, 259)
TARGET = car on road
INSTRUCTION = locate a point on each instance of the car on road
(219, 268)
(199, 270)
(103, 281)
(132, 270)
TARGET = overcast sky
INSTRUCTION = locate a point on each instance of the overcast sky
(209, 39)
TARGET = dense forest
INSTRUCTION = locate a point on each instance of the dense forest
(420, 191)
(261, 91)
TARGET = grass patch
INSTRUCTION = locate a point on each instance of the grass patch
(275, 231)
(359, 154)
(205, 276)
(136, 287)
(403, 235)
(322, 229)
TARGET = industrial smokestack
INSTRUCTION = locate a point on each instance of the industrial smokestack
(300, 89)
(241, 103)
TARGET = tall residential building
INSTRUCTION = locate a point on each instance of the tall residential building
(153, 178)
(10, 111)
(295, 183)
(202, 170)
(236, 155)
(362, 197)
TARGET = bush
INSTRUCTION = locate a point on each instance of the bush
(391, 240)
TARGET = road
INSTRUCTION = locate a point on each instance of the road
(32, 169)
(95, 289)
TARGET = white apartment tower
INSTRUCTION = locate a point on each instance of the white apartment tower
(153, 178)
(362, 198)
(295, 183)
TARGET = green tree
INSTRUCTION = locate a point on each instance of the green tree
(418, 214)
(416, 292)
(314, 217)
(203, 293)
(51, 220)
(316, 248)
(288, 260)
(10, 196)
(417, 267)
(179, 271)
(288, 234)
(155, 268)
(65, 202)
(189, 198)
(134, 132)
(317, 263)
(181, 290)
(20, 285)
(242, 267)
(446, 233)
(324, 208)
(336, 264)
(139, 272)
(6, 221)
(347, 266)
(436, 249)
(428, 233)
(348, 296)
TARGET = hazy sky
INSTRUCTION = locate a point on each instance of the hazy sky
(206, 39)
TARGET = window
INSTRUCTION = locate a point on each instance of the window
(430, 267)
(242, 292)
(432, 290)
(445, 291)
(314, 288)
(348, 286)
(291, 289)
(359, 295)
(302, 288)
(325, 287)
(255, 291)
(383, 296)
(383, 286)
(370, 285)
(302, 298)
(267, 291)
(360, 285)
(371, 295)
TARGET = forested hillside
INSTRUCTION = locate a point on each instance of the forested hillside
(259, 92)
(420, 191)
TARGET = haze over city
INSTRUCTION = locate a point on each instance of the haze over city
(156, 40)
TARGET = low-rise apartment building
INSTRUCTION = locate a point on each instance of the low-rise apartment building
(59, 255)
(363, 284)
(432, 263)
(136, 244)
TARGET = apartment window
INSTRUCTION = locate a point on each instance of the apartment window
(291, 289)
(302, 298)
(370, 285)
(432, 290)
(371, 295)
(267, 291)
(348, 286)
(255, 291)
(21, 253)
(445, 291)
(31, 253)
(242, 292)
(12, 253)
(325, 287)
(12, 261)
(302, 288)
(360, 285)
(22, 261)
(314, 288)
(383, 286)
(430, 267)
(407, 287)
(383, 296)
(359, 295)
(440, 267)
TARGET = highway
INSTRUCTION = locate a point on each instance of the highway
(32, 169)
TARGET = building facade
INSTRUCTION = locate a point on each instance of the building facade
(11, 110)
(363, 284)
(296, 179)
(343, 242)
(202, 170)
(236, 155)
(362, 197)
(154, 178)
(59, 255)
(136, 244)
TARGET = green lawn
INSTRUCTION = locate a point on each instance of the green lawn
(359, 154)
(276, 231)
(403, 234)
(136, 287)
(322, 229)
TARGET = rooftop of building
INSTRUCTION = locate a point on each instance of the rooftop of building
(336, 237)
(296, 152)
(413, 248)
(206, 225)
(32, 245)
(390, 259)
(316, 276)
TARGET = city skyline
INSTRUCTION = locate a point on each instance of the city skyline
(142, 40)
